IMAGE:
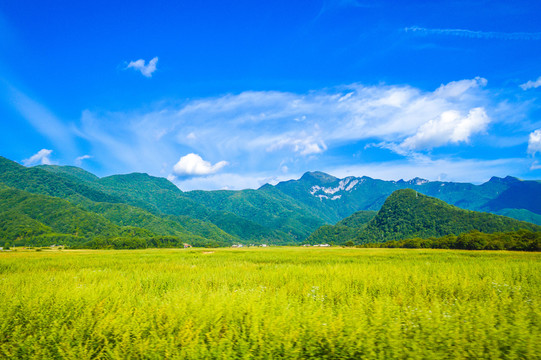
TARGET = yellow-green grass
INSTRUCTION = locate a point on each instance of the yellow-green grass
(270, 303)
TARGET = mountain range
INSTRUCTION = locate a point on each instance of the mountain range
(48, 203)
(408, 214)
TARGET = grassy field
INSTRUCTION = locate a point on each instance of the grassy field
(270, 303)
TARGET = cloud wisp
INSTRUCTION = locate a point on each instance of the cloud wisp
(44, 121)
(534, 142)
(472, 34)
(42, 157)
(145, 70)
(531, 84)
(79, 159)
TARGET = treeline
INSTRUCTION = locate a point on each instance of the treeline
(521, 240)
(123, 242)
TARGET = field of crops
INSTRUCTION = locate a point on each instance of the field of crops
(270, 303)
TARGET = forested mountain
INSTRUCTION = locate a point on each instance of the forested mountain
(286, 213)
(346, 230)
(408, 214)
(154, 199)
(339, 198)
(32, 219)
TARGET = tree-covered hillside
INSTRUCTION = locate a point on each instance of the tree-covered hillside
(159, 204)
(335, 199)
(345, 231)
(41, 220)
(407, 213)
(290, 212)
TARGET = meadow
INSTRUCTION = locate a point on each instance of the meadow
(270, 303)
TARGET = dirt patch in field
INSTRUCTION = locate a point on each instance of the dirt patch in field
(207, 252)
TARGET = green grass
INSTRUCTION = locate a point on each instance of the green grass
(293, 303)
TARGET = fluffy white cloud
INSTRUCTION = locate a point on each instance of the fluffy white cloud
(194, 165)
(534, 142)
(531, 84)
(41, 157)
(146, 70)
(79, 160)
(450, 127)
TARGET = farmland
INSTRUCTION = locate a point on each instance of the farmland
(270, 303)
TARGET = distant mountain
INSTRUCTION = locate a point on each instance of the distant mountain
(349, 229)
(334, 199)
(32, 219)
(110, 200)
(41, 217)
(267, 207)
(286, 213)
(409, 214)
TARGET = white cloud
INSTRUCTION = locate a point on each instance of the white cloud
(303, 146)
(259, 132)
(534, 142)
(41, 157)
(79, 160)
(476, 34)
(450, 127)
(194, 165)
(531, 84)
(458, 88)
(146, 70)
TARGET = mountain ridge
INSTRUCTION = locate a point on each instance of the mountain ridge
(288, 212)
(407, 214)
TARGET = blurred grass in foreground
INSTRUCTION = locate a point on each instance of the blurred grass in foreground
(270, 303)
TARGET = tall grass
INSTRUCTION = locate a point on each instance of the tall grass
(292, 303)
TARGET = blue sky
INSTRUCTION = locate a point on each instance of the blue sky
(218, 94)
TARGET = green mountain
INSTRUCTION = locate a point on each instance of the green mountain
(160, 203)
(344, 231)
(26, 217)
(160, 196)
(290, 212)
(407, 214)
(265, 215)
(334, 199)
(268, 207)
(40, 220)
(112, 202)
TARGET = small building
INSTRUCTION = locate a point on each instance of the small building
(187, 246)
